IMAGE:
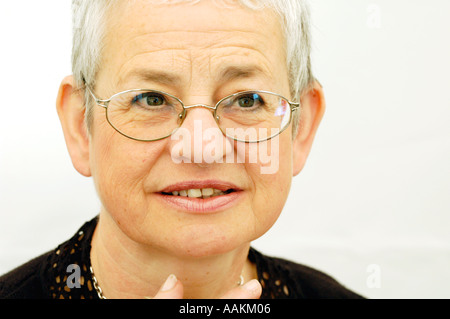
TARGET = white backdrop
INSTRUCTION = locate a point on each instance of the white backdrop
(372, 206)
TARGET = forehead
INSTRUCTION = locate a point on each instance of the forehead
(150, 34)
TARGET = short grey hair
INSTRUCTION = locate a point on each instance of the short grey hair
(89, 31)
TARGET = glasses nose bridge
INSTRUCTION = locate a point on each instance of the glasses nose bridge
(188, 107)
(209, 107)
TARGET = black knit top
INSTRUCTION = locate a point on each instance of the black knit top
(50, 276)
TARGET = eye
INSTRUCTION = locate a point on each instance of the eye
(250, 100)
(149, 99)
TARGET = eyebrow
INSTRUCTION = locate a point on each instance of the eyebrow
(149, 75)
(236, 72)
(227, 74)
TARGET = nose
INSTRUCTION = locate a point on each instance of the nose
(199, 139)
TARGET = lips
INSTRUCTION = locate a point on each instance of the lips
(201, 196)
(205, 186)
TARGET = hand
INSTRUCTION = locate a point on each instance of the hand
(173, 289)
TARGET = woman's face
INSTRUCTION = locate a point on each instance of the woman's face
(200, 54)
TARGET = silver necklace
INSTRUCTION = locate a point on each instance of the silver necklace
(99, 290)
(96, 285)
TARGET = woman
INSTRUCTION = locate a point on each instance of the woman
(172, 108)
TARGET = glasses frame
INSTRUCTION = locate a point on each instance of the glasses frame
(104, 103)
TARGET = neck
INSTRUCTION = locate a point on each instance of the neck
(126, 269)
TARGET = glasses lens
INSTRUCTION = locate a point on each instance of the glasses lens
(253, 116)
(144, 115)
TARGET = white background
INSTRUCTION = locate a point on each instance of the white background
(375, 191)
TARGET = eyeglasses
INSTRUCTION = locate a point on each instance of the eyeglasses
(149, 115)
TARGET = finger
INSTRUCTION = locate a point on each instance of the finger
(171, 289)
(251, 290)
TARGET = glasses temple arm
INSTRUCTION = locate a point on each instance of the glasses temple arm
(103, 103)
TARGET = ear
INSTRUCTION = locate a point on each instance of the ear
(311, 114)
(71, 112)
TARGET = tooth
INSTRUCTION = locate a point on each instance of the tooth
(207, 191)
(197, 193)
(183, 193)
(194, 193)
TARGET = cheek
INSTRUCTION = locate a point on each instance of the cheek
(271, 186)
(120, 167)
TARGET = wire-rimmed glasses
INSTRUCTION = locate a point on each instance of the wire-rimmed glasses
(150, 115)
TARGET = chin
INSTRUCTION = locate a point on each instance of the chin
(205, 243)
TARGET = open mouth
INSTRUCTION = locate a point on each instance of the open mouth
(201, 197)
(202, 193)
